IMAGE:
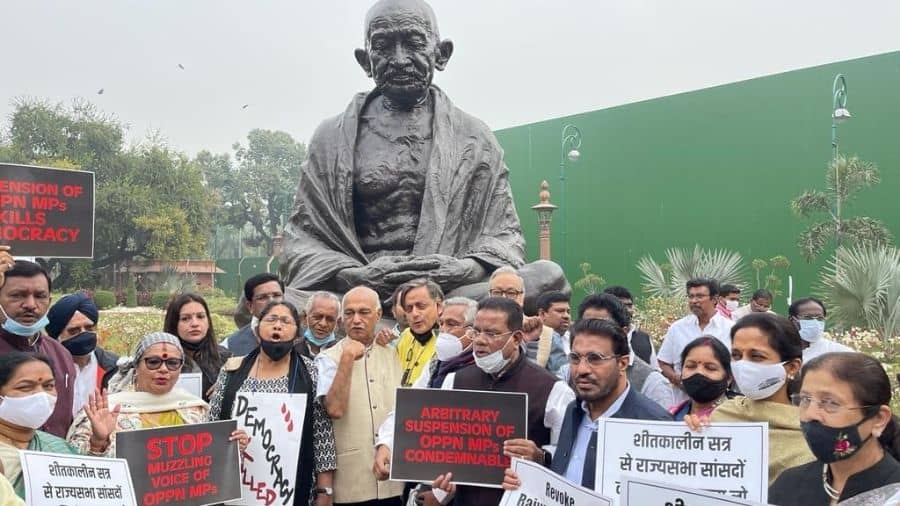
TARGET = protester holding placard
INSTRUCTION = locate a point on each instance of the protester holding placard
(598, 362)
(187, 316)
(24, 301)
(501, 365)
(846, 417)
(705, 376)
(276, 366)
(73, 321)
(766, 355)
(150, 399)
(28, 391)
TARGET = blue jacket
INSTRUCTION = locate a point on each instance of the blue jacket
(635, 407)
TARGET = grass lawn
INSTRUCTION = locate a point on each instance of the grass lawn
(119, 331)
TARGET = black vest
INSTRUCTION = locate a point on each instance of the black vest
(523, 376)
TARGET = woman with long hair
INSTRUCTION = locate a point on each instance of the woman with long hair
(187, 317)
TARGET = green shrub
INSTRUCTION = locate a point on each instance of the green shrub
(160, 299)
(104, 299)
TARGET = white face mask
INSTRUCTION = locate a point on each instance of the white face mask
(493, 362)
(758, 381)
(811, 330)
(447, 346)
(31, 411)
(732, 304)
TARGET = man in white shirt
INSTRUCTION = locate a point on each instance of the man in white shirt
(809, 316)
(704, 320)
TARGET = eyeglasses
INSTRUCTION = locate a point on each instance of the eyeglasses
(270, 320)
(172, 364)
(811, 317)
(508, 294)
(593, 359)
(829, 406)
(491, 335)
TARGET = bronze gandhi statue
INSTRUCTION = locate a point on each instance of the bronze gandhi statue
(402, 184)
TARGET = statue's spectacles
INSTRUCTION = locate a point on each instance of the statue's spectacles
(509, 294)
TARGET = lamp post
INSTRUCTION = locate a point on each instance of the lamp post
(839, 114)
(544, 210)
(569, 144)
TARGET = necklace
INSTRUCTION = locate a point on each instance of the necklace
(831, 491)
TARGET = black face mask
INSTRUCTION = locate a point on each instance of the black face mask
(702, 389)
(276, 350)
(830, 444)
(82, 344)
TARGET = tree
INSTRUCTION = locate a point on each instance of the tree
(150, 201)
(844, 179)
(590, 282)
(668, 280)
(258, 188)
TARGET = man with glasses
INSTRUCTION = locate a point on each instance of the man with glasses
(760, 302)
(258, 291)
(598, 361)
(704, 320)
(501, 366)
(542, 344)
(808, 315)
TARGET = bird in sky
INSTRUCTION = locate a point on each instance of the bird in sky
(181, 66)
(100, 92)
(245, 106)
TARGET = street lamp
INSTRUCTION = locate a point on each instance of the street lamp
(544, 210)
(569, 144)
(839, 114)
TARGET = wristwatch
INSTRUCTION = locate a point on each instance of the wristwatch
(327, 491)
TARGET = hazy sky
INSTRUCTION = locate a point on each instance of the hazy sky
(515, 61)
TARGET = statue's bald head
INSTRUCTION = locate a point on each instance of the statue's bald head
(392, 10)
(403, 50)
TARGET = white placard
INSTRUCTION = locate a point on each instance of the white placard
(274, 423)
(725, 458)
(541, 486)
(192, 382)
(53, 479)
(640, 492)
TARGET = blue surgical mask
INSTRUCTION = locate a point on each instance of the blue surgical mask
(14, 327)
(811, 330)
(316, 341)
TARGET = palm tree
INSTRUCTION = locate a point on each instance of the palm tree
(668, 280)
(861, 287)
(844, 178)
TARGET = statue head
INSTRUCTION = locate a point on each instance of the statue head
(403, 49)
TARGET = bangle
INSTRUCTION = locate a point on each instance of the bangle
(98, 448)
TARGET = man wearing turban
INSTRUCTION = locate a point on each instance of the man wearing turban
(73, 321)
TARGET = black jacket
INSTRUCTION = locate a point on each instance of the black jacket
(635, 407)
(803, 484)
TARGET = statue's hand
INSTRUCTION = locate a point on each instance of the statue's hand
(449, 272)
(379, 273)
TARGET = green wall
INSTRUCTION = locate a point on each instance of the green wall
(717, 167)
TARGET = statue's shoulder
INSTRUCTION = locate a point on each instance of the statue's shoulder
(329, 130)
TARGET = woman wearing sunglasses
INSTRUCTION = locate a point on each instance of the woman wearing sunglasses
(846, 418)
(149, 400)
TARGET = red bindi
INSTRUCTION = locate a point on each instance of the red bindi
(165, 356)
